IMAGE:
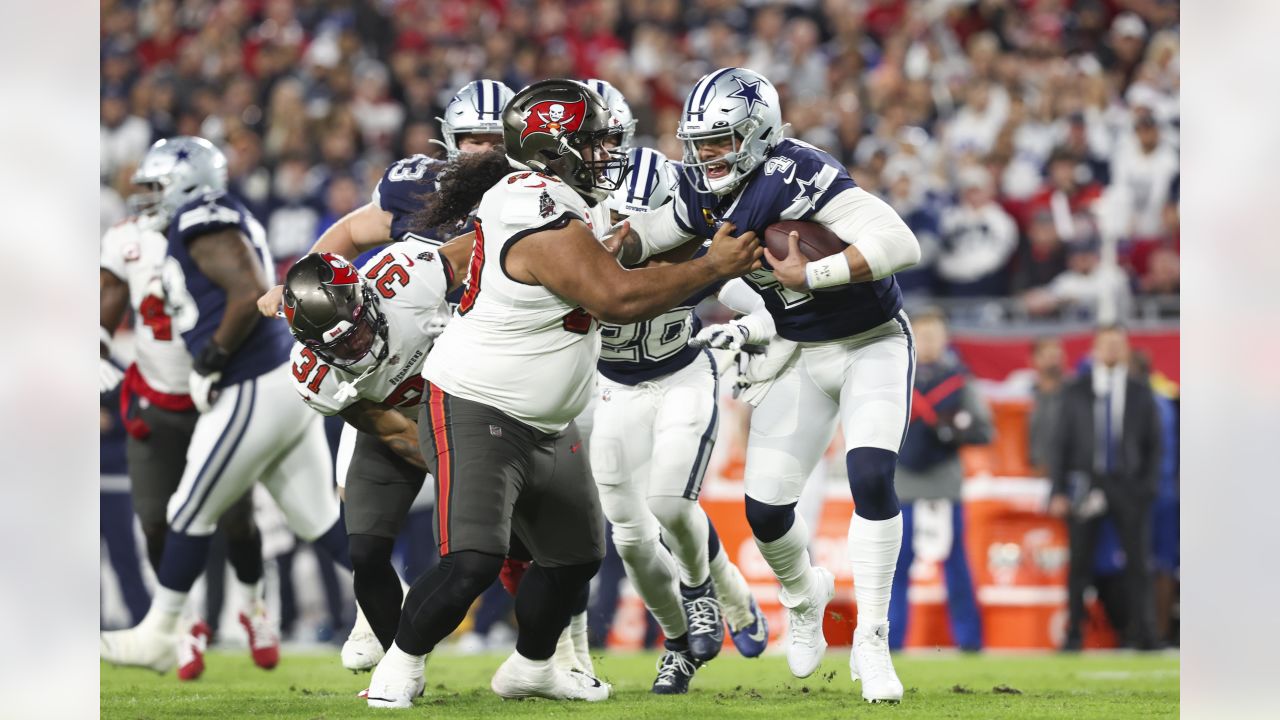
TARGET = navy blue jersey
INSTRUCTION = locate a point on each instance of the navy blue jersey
(198, 303)
(403, 191)
(111, 453)
(632, 354)
(794, 183)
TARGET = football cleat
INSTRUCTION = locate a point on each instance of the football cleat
(806, 643)
(396, 684)
(705, 620)
(362, 651)
(191, 648)
(518, 677)
(870, 662)
(139, 647)
(264, 640)
(751, 639)
(675, 670)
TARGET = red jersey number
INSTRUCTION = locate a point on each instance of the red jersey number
(408, 394)
(473, 274)
(151, 312)
(303, 370)
(578, 321)
(386, 273)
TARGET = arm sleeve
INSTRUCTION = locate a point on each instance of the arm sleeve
(739, 297)
(658, 231)
(864, 220)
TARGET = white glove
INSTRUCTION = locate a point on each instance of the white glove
(725, 336)
(439, 322)
(109, 376)
(201, 389)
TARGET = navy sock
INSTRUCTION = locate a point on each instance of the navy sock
(334, 542)
(183, 560)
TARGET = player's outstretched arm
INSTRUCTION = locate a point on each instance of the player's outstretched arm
(571, 263)
(364, 228)
(388, 425)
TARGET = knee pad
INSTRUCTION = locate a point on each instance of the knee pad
(871, 482)
(470, 572)
(370, 552)
(672, 512)
(769, 522)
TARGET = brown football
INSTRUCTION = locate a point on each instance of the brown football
(816, 241)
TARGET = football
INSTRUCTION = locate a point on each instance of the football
(816, 241)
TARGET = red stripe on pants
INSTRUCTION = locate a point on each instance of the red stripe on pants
(443, 461)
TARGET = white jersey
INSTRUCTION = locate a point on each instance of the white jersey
(137, 256)
(410, 281)
(516, 347)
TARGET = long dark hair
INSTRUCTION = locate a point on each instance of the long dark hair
(462, 183)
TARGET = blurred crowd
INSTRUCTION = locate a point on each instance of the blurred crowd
(1031, 144)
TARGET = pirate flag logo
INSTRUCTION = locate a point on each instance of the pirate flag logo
(553, 117)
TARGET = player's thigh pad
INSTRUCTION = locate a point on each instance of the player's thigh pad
(156, 464)
(229, 448)
(300, 473)
(481, 460)
(684, 431)
(789, 432)
(559, 516)
(381, 487)
(620, 446)
(875, 399)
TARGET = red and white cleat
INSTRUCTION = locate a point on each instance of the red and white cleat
(191, 648)
(264, 639)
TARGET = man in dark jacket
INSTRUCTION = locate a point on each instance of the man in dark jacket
(946, 412)
(1105, 463)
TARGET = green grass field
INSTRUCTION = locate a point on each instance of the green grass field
(940, 685)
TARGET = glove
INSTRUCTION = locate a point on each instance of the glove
(201, 389)
(206, 371)
(511, 574)
(109, 376)
(725, 336)
(438, 322)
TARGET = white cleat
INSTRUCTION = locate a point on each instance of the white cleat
(139, 647)
(806, 643)
(870, 661)
(396, 684)
(362, 651)
(518, 678)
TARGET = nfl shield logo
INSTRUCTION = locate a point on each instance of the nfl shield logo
(495, 431)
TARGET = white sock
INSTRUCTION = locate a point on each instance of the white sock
(788, 556)
(543, 668)
(166, 608)
(873, 552)
(581, 647)
(564, 656)
(652, 572)
(402, 661)
(250, 596)
(733, 591)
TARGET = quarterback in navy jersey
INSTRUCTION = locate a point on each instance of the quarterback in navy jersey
(853, 355)
(249, 428)
(472, 123)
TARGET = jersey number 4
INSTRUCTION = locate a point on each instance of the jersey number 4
(152, 313)
(386, 273)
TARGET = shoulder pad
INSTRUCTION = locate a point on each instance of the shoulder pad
(207, 214)
(530, 198)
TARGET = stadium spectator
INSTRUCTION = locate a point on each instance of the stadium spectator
(1042, 258)
(1106, 461)
(1087, 286)
(1142, 175)
(978, 239)
(946, 413)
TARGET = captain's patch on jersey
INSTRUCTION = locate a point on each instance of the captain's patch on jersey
(546, 206)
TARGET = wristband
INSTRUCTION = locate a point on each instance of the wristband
(211, 359)
(827, 272)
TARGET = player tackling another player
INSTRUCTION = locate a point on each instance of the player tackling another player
(854, 358)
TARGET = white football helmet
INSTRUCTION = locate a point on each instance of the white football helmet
(619, 111)
(649, 184)
(729, 103)
(476, 109)
(174, 172)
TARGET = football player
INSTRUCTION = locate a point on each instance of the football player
(472, 123)
(655, 422)
(854, 360)
(250, 425)
(159, 418)
(509, 374)
(362, 337)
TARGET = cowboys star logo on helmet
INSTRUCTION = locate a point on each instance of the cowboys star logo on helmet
(553, 118)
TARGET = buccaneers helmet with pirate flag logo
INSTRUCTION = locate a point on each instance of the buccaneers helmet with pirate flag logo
(331, 310)
(562, 128)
